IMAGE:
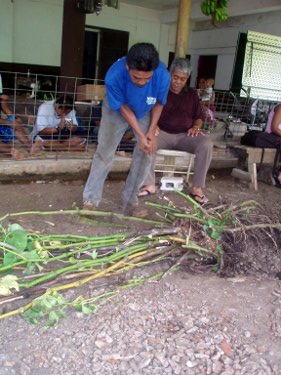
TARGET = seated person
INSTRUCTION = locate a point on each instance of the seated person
(55, 127)
(11, 128)
(274, 126)
(207, 90)
(207, 99)
(179, 129)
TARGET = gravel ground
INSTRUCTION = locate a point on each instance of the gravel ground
(187, 323)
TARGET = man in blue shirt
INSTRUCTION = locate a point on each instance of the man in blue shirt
(136, 91)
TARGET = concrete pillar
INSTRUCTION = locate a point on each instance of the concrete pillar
(183, 28)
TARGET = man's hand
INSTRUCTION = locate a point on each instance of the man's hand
(145, 145)
(194, 132)
(152, 140)
(62, 124)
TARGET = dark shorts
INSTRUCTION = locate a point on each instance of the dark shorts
(6, 132)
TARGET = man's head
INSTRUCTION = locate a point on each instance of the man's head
(142, 59)
(64, 105)
(180, 71)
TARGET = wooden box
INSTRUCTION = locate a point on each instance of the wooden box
(90, 92)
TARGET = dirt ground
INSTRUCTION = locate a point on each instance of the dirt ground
(252, 295)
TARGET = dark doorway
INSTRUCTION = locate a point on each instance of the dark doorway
(207, 66)
(90, 59)
(236, 83)
(101, 49)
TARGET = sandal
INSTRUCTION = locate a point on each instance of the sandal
(275, 180)
(200, 199)
(145, 193)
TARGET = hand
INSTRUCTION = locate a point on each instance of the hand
(194, 132)
(145, 145)
(69, 124)
(152, 141)
(157, 131)
(62, 123)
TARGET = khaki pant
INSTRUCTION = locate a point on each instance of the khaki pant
(201, 146)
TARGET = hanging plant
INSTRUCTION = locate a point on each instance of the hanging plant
(217, 9)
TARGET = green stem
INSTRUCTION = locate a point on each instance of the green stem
(82, 212)
(82, 264)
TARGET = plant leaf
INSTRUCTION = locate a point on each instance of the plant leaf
(17, 238)
(7, 283)
(9, 258)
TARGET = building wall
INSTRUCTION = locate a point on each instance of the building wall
(31, 32)
(222, 41)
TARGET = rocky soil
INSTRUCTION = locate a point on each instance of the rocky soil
(187, 323)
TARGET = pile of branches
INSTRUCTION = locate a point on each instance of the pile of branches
(35, 268)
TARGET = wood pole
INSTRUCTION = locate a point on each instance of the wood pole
(183, 28)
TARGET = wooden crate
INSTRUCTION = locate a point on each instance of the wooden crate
(90, 92)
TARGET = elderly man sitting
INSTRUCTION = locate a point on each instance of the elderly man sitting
(180, 129)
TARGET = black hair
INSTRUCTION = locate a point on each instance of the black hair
(143, 57)
(65, 102)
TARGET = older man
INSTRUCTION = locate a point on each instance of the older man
(180, 129)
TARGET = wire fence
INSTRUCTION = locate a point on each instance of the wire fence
(22, 94)
(241, 113)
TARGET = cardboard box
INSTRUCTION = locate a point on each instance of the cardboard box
(90, 92)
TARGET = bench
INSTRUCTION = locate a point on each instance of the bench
(254, 156)
(174, 162)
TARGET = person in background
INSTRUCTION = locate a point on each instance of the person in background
(11, 128)
(207, 91)
(180, 129)
(207, 99)
(136, 91)
(201, 85)
(55, 127)
(274, 126)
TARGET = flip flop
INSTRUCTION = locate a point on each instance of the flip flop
(145, 193)
(275, 180)
(199, 198)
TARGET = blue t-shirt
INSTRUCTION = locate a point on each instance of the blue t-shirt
(121, 90)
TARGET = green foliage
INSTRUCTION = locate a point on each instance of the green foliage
(217, 9)
(20, 246)
(214, 228)
(50, 308)
(16, 237)
(113, 3)
(7, 283)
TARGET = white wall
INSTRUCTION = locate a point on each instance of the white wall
(31, 31)
(6, 31)
(222, 41)
(143, 25)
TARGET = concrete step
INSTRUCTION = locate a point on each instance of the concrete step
(66, 165)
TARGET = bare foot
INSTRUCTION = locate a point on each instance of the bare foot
(147, 190)
(198, 195)
(16, 154)
(36, 147)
